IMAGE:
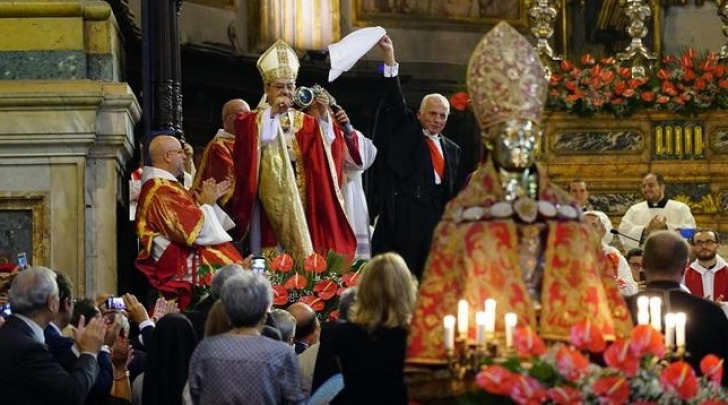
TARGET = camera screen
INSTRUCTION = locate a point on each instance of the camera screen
(115, 303)
(5, 310)
(258, 265)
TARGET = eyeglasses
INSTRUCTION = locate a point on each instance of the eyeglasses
(280, 86)
(704, 242)
(635, 265)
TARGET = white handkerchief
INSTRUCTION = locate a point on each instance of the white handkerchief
(345, 53)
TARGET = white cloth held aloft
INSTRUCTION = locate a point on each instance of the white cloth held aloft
(345, 53)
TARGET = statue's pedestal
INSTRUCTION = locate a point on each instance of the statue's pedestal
(66, 133)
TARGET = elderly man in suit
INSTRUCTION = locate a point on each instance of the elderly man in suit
(420, 171)
(29, 374)
(664, 259)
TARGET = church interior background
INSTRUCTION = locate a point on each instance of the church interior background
(71, 97)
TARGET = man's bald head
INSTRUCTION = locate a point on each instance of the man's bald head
(166, 153)
(665, 256)
(306, 324)
(230, 110)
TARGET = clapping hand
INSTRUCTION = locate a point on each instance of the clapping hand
(212, 190)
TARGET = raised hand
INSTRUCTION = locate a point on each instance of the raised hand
(386, 45)
(90, 336)
(137, 312)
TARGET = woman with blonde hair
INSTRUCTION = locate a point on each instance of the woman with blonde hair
(370, 348)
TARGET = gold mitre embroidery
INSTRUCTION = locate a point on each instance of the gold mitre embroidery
(277, 62)
(505, 78)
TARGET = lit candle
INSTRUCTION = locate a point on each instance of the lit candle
(669, 329)
(490, 316)
(680, 320)
(449, 324)
(463, 315)
(511, 321)
(480, 328)
(656, 313)
(643, 314)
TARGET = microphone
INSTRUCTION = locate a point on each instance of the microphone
(616, 232)
(348, 129)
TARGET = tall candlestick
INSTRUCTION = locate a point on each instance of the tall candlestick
(463, 317)
(680, 321)
(449, 337)
(656, 313)
(490, 305)
(643, 314)
(669, 329)
(511, 321)
(480, 328)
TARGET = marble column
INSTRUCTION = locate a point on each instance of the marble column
(66, 134)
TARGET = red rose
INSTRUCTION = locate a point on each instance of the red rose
(586, 336)
(314, 263)
(612, 390)
(496, 380)
(712, 367)
(280, 295)
(680, 378)
(460, 100)
(618, 355)
(283, 263)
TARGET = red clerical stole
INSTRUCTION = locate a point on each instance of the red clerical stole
(437, 160)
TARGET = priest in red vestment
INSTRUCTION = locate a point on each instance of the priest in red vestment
(287, 193)
(217, 159)
(183, 236)
(707, 276)
(511, 235)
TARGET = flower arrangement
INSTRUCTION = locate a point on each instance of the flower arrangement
(317, 281)
(688, 84)
(636, 371)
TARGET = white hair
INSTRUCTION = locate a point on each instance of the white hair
(437, 96)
